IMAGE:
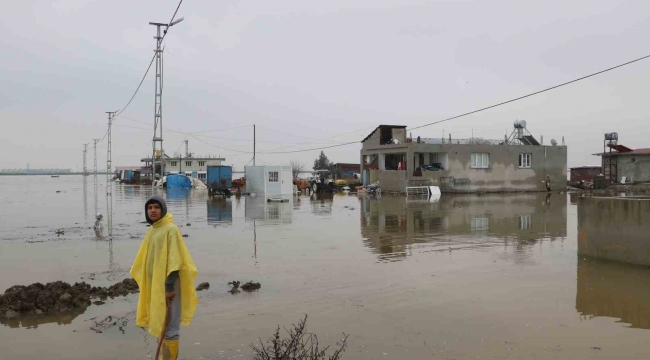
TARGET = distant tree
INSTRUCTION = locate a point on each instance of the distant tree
(322, 163)
(296, 168)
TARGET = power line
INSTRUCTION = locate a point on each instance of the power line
(151, 62)
(531, 94)
(330, 137)
(286, 133)
(220, 147)
(208, 131)
(233, 139)
(303, 150)
(188, 132)
(179, 146)
(196, 134)
(485, 108)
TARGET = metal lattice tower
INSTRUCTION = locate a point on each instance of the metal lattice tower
(157, 160)
(158, 155)
(187, 148)
(109, 172)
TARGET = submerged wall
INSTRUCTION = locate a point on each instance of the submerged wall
(615, 229)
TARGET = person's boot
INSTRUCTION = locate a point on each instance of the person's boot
(169, 350)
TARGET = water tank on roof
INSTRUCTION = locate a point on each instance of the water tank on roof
(611, 136)
(520, 124)
(553, 142)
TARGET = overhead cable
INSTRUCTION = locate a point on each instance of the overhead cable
(150, 63)
(488, 107)
(531, 94)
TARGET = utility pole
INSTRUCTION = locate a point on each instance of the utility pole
(254, 145)
(95, 172)
(157, 160)
(85, 153)
(109, 172)
(109, 154)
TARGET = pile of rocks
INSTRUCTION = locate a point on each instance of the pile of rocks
(57, 297)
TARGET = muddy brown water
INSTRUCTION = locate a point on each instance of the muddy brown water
(468, 277)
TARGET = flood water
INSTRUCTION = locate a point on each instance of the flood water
(468, 277)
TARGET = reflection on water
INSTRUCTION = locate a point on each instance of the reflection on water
(466, 277)
(32, 322)
(321, 204)
(219, 210)
(269, 213)
(614, 290)
(391, 225)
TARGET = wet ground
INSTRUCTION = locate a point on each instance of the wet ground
(469, 277)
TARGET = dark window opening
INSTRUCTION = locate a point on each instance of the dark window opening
(395, 162)
(385, 135)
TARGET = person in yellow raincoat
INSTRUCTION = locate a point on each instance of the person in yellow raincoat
(164, 270)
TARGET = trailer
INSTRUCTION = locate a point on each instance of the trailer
(131, 177)
(219, 180)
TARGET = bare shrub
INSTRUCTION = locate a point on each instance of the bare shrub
(298, 345)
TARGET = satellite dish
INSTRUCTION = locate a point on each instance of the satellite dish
(553, 142)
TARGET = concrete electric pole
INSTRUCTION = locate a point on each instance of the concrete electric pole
(109, 172)
(95, 172)
(85, 153)
(157, 159)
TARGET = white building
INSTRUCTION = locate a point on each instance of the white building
(269, 181)
(195, 167)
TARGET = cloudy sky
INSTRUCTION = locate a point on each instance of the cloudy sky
(312, 74)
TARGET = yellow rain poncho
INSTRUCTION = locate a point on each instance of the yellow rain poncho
(163, 251)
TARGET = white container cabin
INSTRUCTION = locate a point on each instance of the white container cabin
(269, 181)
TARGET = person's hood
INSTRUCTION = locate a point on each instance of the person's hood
(163, 206)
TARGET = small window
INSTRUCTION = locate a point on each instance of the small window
(201, 163)
(480, 160)
(188, 163)
(202, 176)
(273, 176)
(173, 163)
(525, 160)
(480, 224)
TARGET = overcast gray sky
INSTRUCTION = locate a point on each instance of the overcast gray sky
(310, 74)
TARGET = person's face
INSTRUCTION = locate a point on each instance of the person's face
(154, 211)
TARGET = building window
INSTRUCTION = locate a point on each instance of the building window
(173, 163)
(480, 160)
(273, 176)
(525, 222)
(188, 163)
(201, 163)
(480, 224)
(203, 176)
(525, 160)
